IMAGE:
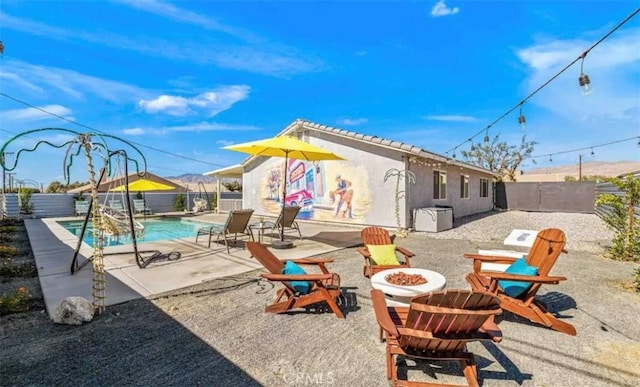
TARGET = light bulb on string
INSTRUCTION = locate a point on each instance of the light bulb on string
(486, 135)
(521, 120)
(592, 152)
(550, 159)
(583, 79)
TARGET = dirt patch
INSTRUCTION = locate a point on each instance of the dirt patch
(18, 272)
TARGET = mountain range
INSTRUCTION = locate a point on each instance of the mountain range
(192, 178)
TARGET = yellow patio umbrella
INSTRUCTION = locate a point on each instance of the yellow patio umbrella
(144, 185)
(287, 147)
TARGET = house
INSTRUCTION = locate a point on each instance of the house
(380, 183)
(114, 182)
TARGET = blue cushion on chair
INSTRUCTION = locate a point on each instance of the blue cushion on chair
(516, 288)
(292, 268)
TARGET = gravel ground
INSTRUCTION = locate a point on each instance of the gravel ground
(218, 334)
(585, 232)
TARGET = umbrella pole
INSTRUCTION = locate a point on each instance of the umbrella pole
(284, 197)
(281, 244)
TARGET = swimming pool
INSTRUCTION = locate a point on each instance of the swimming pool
(156, 229)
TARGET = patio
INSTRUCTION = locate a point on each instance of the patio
(216, 332)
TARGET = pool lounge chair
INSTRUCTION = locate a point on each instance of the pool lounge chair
(289, 223)
(116, 205)
(237, 224)
(324, 287)
(437, 326)
(140, 207)
(81, 207)
(546, 249)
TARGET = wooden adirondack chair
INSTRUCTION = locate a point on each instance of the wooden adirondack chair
(437, 325)
(546, 249)
(326, 286)
(237, 224)
(380, 236)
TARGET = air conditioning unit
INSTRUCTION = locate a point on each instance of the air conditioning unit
(432, 219)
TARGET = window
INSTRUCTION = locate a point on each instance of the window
(484, 188)
(439, 185)
(464, 186)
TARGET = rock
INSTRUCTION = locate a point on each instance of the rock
(73, 311)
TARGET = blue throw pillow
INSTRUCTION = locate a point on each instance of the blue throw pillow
(516, 288)
(291, 268)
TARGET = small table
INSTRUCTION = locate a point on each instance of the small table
(522, 238)
(261, 227)
(399, 295)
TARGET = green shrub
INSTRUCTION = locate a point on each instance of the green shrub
(18, 270)
(178, 205)
(8, 229)
(625, 245)
(637, 279)
(8, 251)
(15, 301)
(4, 238)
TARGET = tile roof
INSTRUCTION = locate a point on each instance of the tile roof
(397, 145)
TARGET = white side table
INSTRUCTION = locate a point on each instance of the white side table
(522, 238)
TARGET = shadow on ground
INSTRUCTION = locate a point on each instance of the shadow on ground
(131, 352)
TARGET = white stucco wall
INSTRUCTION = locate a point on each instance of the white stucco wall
(421, 193)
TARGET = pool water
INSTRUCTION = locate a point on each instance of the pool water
(154, 230)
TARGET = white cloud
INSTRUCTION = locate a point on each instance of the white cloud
(32, 114)
(71, 83)
(441, 9)
(451, 118)
(234, 49)
(224, 143)
(210, 127)
(172, 12)
(210, 103)
(353, 121)
(195, 127)
(134, 131)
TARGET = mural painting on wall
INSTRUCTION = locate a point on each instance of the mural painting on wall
(328, 190)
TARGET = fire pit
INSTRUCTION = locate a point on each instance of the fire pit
(402, 278)
(411, 282)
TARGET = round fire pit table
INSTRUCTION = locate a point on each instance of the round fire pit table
(401, 295)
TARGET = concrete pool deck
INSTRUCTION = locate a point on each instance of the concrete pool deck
(53, 247)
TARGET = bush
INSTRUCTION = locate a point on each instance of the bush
(15, 301)
(18, 270)
(626, 243)
(637, 279)
(178, 205)
(8, 251)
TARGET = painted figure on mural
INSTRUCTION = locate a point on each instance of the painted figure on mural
(344, 192)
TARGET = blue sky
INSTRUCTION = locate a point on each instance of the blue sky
(189, 77)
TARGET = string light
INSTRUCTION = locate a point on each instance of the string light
(521, 119)
(583, 79)
(592, 152)
(486, 135)
(588, 147)
(550, 159)
(519, 104)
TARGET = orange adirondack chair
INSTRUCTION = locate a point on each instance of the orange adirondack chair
(380, 236)
(437, 325)
(546, 249)
(326, 286)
